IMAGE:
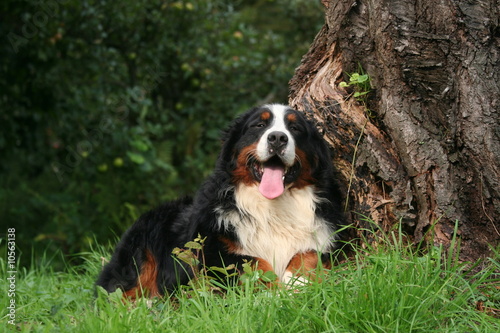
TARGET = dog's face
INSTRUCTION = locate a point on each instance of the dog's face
(275, 147)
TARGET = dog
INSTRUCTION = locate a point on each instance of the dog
(272, 200)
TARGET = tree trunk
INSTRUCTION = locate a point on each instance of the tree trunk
(426, 153)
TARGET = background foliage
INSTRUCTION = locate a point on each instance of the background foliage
(108, 108)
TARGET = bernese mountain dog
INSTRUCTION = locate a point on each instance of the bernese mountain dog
(272, 201)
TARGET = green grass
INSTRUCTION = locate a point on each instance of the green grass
(384, 289)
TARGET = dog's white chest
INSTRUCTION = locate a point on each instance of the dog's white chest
(275, 230)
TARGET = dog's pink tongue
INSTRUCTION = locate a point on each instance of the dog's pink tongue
(271, 186)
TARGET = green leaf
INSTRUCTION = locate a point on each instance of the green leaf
(247, 268)
(269, 276)
(358, 94)
(139, 145)
(361, 78)
(193, 245)
(136, 158)
(225, 270)
(187, 256)
(218, 269)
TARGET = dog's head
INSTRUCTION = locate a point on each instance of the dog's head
(275, 147)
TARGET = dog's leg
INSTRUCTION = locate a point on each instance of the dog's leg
(232, 256)
(303, 268)
(146, 281)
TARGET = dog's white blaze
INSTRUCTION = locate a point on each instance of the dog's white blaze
(278, 124)
(276, 230)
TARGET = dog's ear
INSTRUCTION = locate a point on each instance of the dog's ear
(322, 148)
(230, 136)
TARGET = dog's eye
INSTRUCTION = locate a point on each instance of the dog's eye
(259, 125)
(294, 128)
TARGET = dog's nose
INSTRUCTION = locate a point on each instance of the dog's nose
(276, 140)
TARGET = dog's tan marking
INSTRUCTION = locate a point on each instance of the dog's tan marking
(146, 282)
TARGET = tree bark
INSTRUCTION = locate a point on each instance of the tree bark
(427, 153)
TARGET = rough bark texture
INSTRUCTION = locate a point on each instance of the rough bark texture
(428, 154)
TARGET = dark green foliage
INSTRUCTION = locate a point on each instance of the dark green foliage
(108, 108)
